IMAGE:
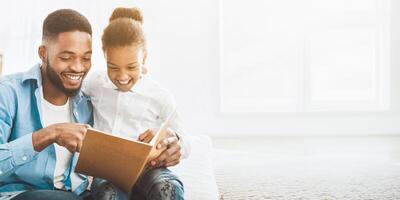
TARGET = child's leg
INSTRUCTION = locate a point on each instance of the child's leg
(104, 190)
(158, 184)
(154, 184)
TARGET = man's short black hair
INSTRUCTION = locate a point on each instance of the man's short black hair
(64, 20)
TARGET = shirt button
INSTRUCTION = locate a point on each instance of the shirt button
(24, 158)
(76, 113)
(1, 172)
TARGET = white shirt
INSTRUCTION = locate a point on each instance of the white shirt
(131, 113)
(52, 114)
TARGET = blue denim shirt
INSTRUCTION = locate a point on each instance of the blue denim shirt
(21, 167)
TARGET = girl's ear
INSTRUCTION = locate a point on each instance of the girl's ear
(144, 68)
(144, 58)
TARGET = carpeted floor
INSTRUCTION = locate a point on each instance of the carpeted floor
(345, 168)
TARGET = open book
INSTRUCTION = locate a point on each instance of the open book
(116, 159)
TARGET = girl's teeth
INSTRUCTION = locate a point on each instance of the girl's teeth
(123, 82)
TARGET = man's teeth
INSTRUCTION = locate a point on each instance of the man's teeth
(73, 77)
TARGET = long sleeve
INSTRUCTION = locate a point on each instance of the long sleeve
(18, 151)
(175, 123)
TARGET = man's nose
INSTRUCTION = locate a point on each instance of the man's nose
(77, 66)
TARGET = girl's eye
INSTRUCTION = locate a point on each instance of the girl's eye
(132, 67)
(112, 68)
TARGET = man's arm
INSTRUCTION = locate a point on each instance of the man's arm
(18, 151)
(68, 135)
(23, 149)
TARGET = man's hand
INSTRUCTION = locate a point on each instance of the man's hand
(171, 155)
(68, 135)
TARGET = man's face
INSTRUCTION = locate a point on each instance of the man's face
(67, 61)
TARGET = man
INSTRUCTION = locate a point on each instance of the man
(44, 106)
(44, 116)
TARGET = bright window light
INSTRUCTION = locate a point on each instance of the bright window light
(304, 56)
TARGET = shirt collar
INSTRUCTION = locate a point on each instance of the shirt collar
(33, 74)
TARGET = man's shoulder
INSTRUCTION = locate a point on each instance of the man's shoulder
(10, 90)
(17, 80)
(12, 78)
(12, 82)
(18, 84)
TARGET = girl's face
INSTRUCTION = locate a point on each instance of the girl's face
(124, 66)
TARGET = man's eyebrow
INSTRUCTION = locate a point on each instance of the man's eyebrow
(71, 52)
(66, 52)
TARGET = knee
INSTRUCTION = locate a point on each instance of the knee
(162, 184)
(103, 190)
(167, 189)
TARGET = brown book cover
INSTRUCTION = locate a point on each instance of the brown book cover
(116, 159)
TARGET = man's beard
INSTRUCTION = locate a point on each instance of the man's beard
(57, 82)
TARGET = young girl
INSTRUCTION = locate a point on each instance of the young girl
(128, 102)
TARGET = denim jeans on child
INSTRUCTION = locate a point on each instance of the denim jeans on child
(154, 184)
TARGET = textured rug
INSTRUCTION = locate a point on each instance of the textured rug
(308, 168)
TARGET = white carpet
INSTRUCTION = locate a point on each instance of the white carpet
(308, 168)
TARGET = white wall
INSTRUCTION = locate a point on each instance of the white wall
(196, 87)
(184, 56)
(194, 63)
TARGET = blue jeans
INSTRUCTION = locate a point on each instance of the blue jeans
(51, 195)
(154, 184)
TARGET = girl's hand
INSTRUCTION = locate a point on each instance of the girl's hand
(147, 136)
(172, 154)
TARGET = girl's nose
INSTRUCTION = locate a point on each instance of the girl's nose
(123, 77)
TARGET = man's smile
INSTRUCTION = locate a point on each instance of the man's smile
(73, 78)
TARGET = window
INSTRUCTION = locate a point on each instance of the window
(304, 56)
(19, 44)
